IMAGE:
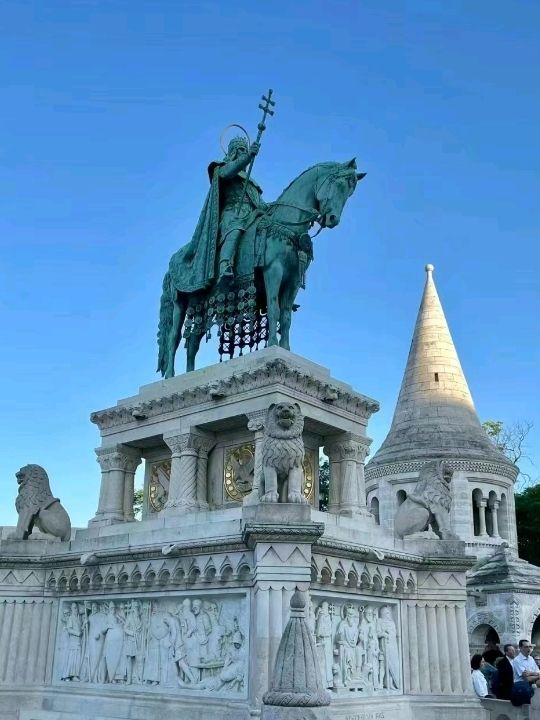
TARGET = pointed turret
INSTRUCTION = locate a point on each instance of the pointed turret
(435, 414)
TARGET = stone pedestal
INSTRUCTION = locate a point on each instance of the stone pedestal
(181, 614)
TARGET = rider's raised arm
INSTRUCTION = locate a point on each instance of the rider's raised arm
(233, 167)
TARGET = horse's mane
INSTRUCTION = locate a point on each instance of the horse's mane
(329, 164)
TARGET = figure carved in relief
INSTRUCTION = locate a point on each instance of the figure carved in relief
(94, 625)
(231, 676)
(283, 454)
(133, 629)
(346, 639)
(113, 634)
(203, 625)
(323, 636)
(372, 649)
(216, 633)
(73, 645)
(389, 647)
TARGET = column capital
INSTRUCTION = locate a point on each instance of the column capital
(481, 503)
(347, 446)
(179, 443)
(495, 504)
(203, 444)
(256, 420)
(118, 457)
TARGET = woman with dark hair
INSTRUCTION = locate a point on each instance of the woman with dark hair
(478, 680)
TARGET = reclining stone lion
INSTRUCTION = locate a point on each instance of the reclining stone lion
(429, 504)
(37, 506)
(283, 454)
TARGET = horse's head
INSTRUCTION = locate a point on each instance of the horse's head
(337, 182)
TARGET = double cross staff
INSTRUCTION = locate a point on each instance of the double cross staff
(265, 106)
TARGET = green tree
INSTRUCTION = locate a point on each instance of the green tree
(512, 441)
(324, 484)
(527, 514)
(138, 498)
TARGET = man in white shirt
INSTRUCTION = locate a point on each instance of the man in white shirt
(524, 666)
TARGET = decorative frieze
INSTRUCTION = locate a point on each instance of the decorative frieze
(176, 643)
(413, 466)
(273, 371)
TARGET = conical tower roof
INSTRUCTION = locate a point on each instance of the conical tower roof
(435, 414)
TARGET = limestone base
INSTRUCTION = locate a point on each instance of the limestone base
(280, 712)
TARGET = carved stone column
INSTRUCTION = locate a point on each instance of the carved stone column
(130, 464)
(347, 484)
(481, 505)
(183, 480)
(256, 425)
(203, 445)
(493, 508)
(118, 464)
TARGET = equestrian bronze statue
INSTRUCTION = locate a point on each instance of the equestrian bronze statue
(247, 259)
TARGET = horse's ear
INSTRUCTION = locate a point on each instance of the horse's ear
(360, 176)
(351, 163)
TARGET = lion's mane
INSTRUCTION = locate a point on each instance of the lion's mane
(283, 448)
(432, 487)
(34, 489)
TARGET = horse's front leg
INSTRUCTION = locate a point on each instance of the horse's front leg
(179, 315)
(272, 284)
(286, 302)
(193, 343)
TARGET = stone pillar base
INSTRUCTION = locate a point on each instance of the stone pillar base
(281, 712)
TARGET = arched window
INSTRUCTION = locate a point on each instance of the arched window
(374, 509)
(491, 508)
(480, 636)
(502, 514)
(477, 508)
(401, 496)
(535, 636)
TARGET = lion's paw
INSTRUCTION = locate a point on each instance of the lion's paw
(270, 497)
(296, 497)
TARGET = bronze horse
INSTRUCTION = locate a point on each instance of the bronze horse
(277, 250)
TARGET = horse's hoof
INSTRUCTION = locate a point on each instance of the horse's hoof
(270, 497)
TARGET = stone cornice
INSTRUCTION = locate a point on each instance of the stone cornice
(275, 371)
(403, 559)
(262, 532)
(508, 470)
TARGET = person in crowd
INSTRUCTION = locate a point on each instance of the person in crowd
(525, 667)
(492, 652)
(504, 680)
(479, 682)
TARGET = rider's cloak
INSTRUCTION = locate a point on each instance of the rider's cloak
(193, 267)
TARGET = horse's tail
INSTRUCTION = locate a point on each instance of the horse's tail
(165, 322)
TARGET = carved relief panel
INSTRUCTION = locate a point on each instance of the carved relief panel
(187, 642)
(358, 644)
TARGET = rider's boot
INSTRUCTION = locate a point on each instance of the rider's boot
(225, 270)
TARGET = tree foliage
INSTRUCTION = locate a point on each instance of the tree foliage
(324, 484)
(138, 498)
(527, 514)
(512, 441)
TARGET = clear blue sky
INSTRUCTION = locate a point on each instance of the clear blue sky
(111, 111)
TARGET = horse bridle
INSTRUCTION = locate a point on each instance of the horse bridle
(317, 216)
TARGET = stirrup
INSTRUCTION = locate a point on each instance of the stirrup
(226, 271)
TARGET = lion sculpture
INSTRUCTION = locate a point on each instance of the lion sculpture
(37, 506)
(429, 504)
(283, 454)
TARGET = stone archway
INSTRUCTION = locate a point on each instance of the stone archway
(482, 627)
